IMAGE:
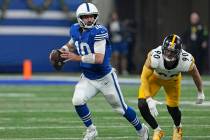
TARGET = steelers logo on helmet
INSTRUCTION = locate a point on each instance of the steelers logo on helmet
(87, 15)
(171, 48)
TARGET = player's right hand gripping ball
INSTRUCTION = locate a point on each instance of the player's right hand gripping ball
(56, 60)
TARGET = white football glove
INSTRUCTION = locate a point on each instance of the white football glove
(152, 106)
(200, 97)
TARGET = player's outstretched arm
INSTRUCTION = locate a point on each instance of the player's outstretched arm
(198, 82)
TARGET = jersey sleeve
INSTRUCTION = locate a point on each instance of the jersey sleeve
(155, 57)
(148, 60)
(73, 31)
(100, 33)
(187, 62)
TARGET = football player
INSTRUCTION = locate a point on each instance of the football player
(91, 41)
(163, 68)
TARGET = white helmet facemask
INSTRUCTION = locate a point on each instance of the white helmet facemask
(87, 9)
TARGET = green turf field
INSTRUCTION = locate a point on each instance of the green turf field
(46, 113)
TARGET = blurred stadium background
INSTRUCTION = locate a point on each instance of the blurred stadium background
(30, 29)
(41, 108)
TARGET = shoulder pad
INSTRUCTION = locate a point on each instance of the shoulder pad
(100, 33)
(75, 26)
(73, 29)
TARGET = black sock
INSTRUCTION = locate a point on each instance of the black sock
(175, 114)
(145, 112)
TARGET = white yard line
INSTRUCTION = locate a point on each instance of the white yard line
(102, 138)
(192, 103)
(13, 94)
(94, 111)
(98, 126)
(69, 119)
(72, 111)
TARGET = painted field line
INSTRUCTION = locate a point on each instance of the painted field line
(192, 103)
(99, 126)
(13, 94)
(94, 111)
(70, 121)
(98, 97)
(101, 138)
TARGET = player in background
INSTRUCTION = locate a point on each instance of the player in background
(92, 44)
(163, 68)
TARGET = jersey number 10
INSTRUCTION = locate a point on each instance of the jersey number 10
(83, 48)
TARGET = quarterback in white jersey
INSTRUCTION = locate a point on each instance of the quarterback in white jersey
(163, 68)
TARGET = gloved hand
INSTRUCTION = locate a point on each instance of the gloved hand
(152, 106)
(200, 97)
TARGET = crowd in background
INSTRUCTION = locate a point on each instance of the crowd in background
(122, 34)
(195, 40)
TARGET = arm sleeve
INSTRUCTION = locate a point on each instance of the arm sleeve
(100, 46)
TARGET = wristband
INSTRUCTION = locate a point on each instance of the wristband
(90, 58)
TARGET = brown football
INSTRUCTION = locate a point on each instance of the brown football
(54, 55)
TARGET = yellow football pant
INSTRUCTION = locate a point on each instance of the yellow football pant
(172, 89)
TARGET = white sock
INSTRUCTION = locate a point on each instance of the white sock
(141, 131)
(92, 126)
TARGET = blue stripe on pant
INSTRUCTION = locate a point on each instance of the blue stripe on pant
(130, 114)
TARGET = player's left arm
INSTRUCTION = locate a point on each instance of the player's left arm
(198, 82)
(93, 58)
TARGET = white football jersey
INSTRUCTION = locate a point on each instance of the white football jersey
(185, 64)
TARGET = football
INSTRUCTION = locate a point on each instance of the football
(56, 59)
(54, 55)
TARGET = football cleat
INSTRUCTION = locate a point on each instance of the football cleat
(144, 132)
(91, 133)
(158, 134)
(177, 133)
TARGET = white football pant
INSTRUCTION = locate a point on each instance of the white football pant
(107, 85)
